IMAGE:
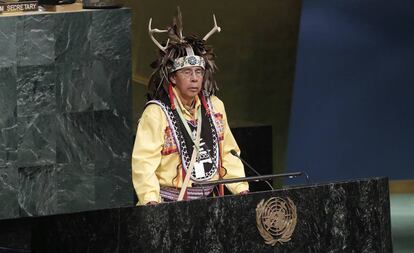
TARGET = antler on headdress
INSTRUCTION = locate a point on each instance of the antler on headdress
(151, 34)
(215, 29)
(177, 50)
(178, 24)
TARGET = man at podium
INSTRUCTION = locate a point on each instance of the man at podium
(183, 135)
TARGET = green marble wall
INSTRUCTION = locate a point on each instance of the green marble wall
(256, 53)
(65, 107)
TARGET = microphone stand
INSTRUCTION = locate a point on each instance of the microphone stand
(246, 179)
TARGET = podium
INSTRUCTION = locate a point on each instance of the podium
(351, 216)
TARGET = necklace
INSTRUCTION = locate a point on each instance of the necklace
(191, 107)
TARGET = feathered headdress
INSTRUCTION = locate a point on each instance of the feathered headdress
(181, 51)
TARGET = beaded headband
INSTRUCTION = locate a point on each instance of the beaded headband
(190, 60)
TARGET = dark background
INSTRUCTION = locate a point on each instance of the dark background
(352, 109)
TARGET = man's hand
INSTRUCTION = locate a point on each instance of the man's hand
(244, 192)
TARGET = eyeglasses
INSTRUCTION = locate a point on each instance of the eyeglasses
(189, 72)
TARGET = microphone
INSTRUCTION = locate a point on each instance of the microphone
(234, 153)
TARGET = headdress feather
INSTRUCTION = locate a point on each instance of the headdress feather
(176, 48)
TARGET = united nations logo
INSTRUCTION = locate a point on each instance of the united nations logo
(276, 220)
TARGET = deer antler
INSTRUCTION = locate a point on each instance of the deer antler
(151, 34)
(215, 29)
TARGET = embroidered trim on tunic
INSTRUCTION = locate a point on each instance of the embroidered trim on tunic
(169, 146)
(180, 141)
(218, 118)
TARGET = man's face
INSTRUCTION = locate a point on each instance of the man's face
(188, 81)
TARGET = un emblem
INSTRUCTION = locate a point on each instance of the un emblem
(276, 220)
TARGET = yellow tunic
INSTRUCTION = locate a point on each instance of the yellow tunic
(155, 157)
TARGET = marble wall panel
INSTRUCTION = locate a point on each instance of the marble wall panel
(9, 207)
(73, 62)
(75, 140)
(108, 29)
(108, 94)
(72, 36)
(8, 93)
(7, 156)
(37, 140)
(75, 187)
(113, 136)
(112, 65)
(8, 38)
(65, 107)
(36, 92)
(101, 84)
(37, 190)
(36, 40)
(74, 86)
(8, 141)
(113, 183)
(8, 125)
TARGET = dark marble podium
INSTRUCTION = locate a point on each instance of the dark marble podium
(338, 217)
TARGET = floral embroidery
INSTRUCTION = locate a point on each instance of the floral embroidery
(218, 118)
(169, 143)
